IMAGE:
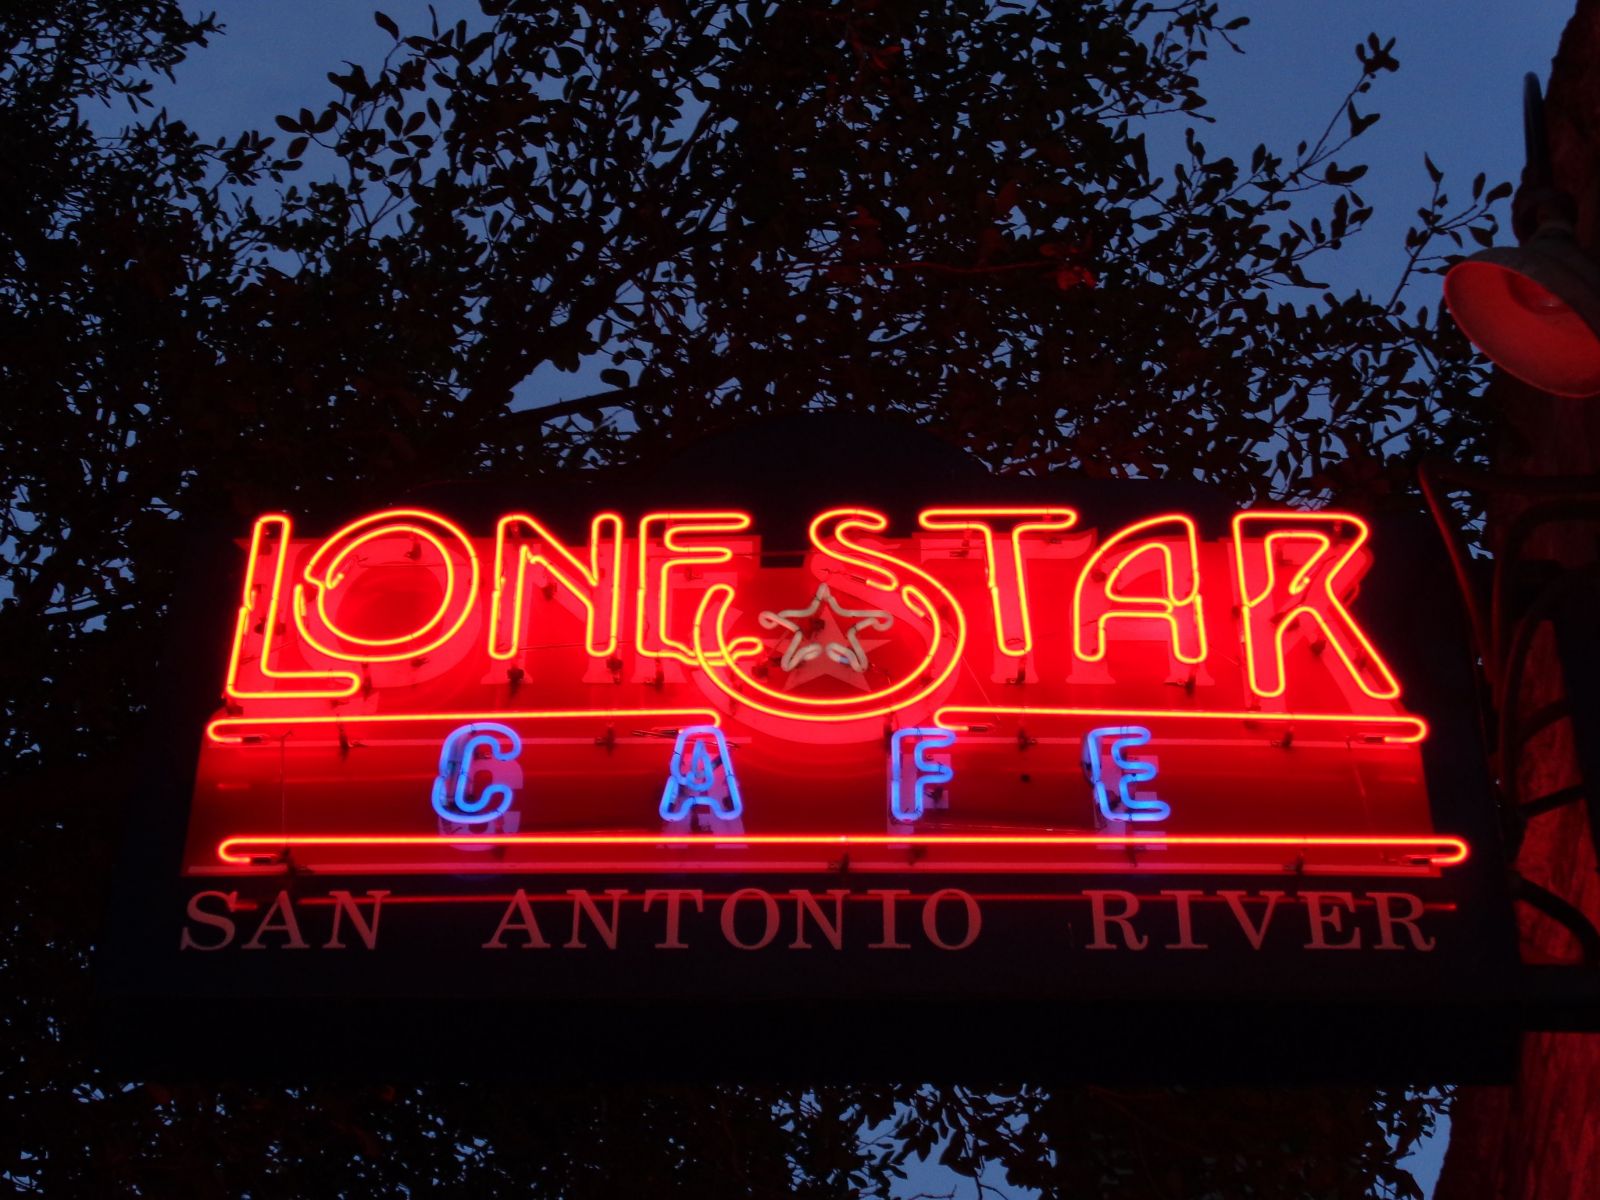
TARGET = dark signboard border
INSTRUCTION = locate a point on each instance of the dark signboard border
(1025, 1005)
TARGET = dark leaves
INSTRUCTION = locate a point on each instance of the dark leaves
(1359, 124)
(1375, 55)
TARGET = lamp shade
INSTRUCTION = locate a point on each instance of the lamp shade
(1534, 310)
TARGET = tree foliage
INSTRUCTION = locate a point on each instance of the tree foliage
(720, 211)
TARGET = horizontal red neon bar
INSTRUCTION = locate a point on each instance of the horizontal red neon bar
(1405, 729)
(1400, 729)
(1440, 851)
(236, 729)
(911, 894)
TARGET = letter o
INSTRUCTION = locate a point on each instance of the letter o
(436, 545)
(930, 918)
(730, 913)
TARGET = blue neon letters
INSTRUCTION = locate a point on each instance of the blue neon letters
(693, 777)
(1116, 740)
(906, 797)
(453, 799)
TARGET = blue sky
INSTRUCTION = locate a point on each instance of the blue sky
(1456, 98)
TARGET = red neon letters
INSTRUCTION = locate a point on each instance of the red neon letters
(419, 556)
(522, 542)
(1004, 562)
(1170, 545)
(666, 557)
(401, 585)
(259, 629)
(1295, 570)
(909, 591)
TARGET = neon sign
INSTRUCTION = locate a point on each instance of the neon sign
(1114, 744)
(466, 791)
(909, 793)
(701, 775)
(670, 693)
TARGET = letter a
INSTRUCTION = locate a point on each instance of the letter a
(701, 775)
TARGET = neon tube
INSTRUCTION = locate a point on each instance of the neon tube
(1408, 729)
(1444, 851)
(224, 729)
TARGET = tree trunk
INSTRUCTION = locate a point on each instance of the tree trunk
(1540, 1138)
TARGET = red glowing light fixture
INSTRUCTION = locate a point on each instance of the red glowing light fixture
(1534, 309)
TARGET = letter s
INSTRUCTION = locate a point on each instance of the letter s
(186, 940)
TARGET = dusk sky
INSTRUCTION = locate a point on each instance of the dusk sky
(1456, 97)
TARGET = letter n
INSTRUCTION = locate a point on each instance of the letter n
(527, 554)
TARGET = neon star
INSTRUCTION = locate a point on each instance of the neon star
(847, 653)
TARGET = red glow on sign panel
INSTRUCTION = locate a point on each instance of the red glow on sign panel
(999, 689)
